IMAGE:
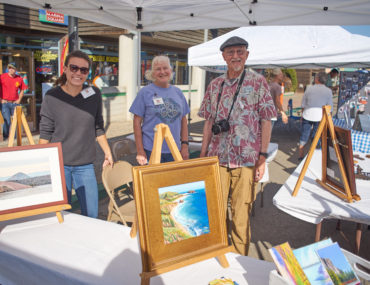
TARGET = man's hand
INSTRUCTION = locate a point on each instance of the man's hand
(260, 168)
(284, 117)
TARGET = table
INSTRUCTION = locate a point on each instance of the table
(82, 250)
(313, 204)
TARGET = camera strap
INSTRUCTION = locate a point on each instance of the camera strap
(235, 95)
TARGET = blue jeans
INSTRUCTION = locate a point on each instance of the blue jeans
(7, 110)
(83, 180)
(306, 130)
(165, 157)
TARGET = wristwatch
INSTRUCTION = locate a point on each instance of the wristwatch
(265, 154)
(185, 142)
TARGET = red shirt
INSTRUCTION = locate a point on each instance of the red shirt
(10, 86)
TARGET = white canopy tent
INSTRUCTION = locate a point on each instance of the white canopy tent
(165, 15)
(290, 46)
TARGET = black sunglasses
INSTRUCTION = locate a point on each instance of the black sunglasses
(74, 68)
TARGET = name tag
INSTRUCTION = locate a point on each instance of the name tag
(158, 101)
(87, 92)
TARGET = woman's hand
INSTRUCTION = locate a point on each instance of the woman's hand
(108, 160)
(141, 158)
(184, 151)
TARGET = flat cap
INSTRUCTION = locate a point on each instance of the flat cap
(12, 65)
(234, 41)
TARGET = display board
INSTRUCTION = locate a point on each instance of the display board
(332, 173)
(350, 83)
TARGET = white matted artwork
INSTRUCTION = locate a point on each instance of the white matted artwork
(31, 177)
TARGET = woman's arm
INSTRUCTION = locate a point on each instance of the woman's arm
(103, 142)
(184, 137)
(140, 156)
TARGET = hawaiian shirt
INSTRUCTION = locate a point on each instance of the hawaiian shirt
(240, 146)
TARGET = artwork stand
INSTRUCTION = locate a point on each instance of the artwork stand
(327, 124)
(19, 120)
(1, 127)
(162, 131)
(37, 211)
(57, 209)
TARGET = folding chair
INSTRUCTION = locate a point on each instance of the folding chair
(123, 148)
(117, 183)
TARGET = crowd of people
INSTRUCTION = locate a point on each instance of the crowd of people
(239, 109)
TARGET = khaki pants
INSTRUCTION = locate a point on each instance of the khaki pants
(238, 185)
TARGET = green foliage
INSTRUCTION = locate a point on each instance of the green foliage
(292, 74)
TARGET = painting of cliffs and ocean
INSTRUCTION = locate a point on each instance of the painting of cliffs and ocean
(184, 211)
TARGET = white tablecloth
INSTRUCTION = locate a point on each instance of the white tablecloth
(313, 203)
(39, 250)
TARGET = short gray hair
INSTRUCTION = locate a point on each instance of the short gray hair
(276, 71)
(157, 59)
(322, 77)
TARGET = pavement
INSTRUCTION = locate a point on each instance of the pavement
(270, 226)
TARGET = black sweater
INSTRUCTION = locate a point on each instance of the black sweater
(73, 121)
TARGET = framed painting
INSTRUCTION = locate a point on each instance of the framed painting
(331, 170)
(181, 219)
(31, 178)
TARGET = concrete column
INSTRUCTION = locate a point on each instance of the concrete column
(128, 69)
(197, 83)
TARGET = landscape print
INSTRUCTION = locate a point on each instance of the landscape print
(184, 211)
(20, 178)
(337, 266)
(311, 264)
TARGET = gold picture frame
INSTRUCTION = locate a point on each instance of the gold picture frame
(149, 180)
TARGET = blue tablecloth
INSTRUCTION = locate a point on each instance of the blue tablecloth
(360, 140)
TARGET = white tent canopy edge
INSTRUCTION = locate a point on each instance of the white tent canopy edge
(165, 15)
(290, 47)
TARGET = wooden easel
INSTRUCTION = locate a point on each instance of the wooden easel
(19, 120)
(326, 123)
(1, 126)
(162, 131)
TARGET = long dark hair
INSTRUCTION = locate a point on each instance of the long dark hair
(77, 53)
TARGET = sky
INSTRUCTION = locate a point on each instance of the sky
(361, 30)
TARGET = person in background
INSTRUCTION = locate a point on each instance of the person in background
(275, 90)
(314, 98)
(160, 102)
(71, 113)
(331, 80)
(12, 89)
(238, 109)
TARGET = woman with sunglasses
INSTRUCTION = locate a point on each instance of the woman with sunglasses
(71, 113)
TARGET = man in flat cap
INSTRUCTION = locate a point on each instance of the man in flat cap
(237, 109)
(11, 92)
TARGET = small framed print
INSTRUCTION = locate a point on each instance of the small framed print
(31, 177)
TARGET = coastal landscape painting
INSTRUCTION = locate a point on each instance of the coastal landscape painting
(31, 176)
(184, 211)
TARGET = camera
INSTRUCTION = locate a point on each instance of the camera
(221, 126)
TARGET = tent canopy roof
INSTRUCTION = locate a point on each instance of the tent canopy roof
(290, 46)
(165, 15)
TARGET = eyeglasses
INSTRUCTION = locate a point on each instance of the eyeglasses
(238, 52)
(74, 68)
